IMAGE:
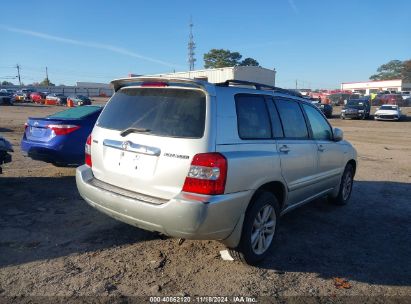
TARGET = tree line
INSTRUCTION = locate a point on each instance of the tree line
(394, 69)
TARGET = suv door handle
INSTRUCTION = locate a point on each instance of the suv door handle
(321, 148)
(284, 149)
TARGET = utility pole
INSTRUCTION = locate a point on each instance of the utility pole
(296, 84)
(191, 47)
(18, 73)
(47, 77)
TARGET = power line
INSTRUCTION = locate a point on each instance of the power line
(8, 77)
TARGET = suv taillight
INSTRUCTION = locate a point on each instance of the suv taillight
(88, 152)
(207, 174)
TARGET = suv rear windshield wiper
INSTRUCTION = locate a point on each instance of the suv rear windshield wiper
(134, 130)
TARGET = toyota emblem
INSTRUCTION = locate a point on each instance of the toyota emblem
(125, 145)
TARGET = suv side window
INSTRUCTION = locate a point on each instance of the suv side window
(292, 118)
(319, 126)
(277, 129)
(252, 117)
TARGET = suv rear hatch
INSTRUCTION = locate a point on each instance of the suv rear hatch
(146, 137)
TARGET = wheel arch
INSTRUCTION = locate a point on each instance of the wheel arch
(353, 163)
(275, 187)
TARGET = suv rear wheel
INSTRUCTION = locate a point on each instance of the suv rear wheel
(259, 229)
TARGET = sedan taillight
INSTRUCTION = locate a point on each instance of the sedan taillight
(63, 129)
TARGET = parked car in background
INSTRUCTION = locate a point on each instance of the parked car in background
(27, 93)
(79, 100)
(18, 96)
(340, 99)
(5, 149)
(59, 138)
(388, 112)
(406, 95)
(38, 97)
(196, 160)
(393, 99)
(356, 108)
(6, 99)
(56, 99)
(326, 109)
(9, 91)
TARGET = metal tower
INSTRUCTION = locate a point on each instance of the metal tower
(191, 47)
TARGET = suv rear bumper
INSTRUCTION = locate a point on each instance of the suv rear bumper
(189, 216)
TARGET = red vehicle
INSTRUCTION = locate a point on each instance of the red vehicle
(38, 97)
(392, 99)
(323, 97)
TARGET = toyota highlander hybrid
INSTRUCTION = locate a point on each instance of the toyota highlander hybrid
(196, 160)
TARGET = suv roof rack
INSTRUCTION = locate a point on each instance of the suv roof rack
(259, 86)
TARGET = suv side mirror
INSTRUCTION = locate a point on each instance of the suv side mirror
(338, 134)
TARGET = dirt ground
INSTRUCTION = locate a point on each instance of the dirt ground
(53, 243)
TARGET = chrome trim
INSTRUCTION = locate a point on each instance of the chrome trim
(127, 193)
(132, 147)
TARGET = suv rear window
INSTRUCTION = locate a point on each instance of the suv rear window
(162, 112)
(252, 117)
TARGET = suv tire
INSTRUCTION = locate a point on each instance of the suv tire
(347, 181)
(260, 223)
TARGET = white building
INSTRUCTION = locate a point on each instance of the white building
(93, 85)
(219, 75)
(368, 87)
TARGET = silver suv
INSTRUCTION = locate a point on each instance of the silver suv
(196, 160)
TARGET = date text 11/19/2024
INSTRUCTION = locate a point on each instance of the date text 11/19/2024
(202, 299)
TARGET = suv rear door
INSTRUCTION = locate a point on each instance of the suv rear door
(145, 138)
(298, 153)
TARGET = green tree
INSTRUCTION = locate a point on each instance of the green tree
(46, 82)
(6, 83)
(249, 62)
(406, 71)
(219, 58)
(389, 70)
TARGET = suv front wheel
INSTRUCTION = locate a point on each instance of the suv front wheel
(259, 228)
(346, 184)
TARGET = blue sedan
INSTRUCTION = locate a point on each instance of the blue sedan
(60, 138)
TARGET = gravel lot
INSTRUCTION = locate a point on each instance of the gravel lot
(53, 243)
